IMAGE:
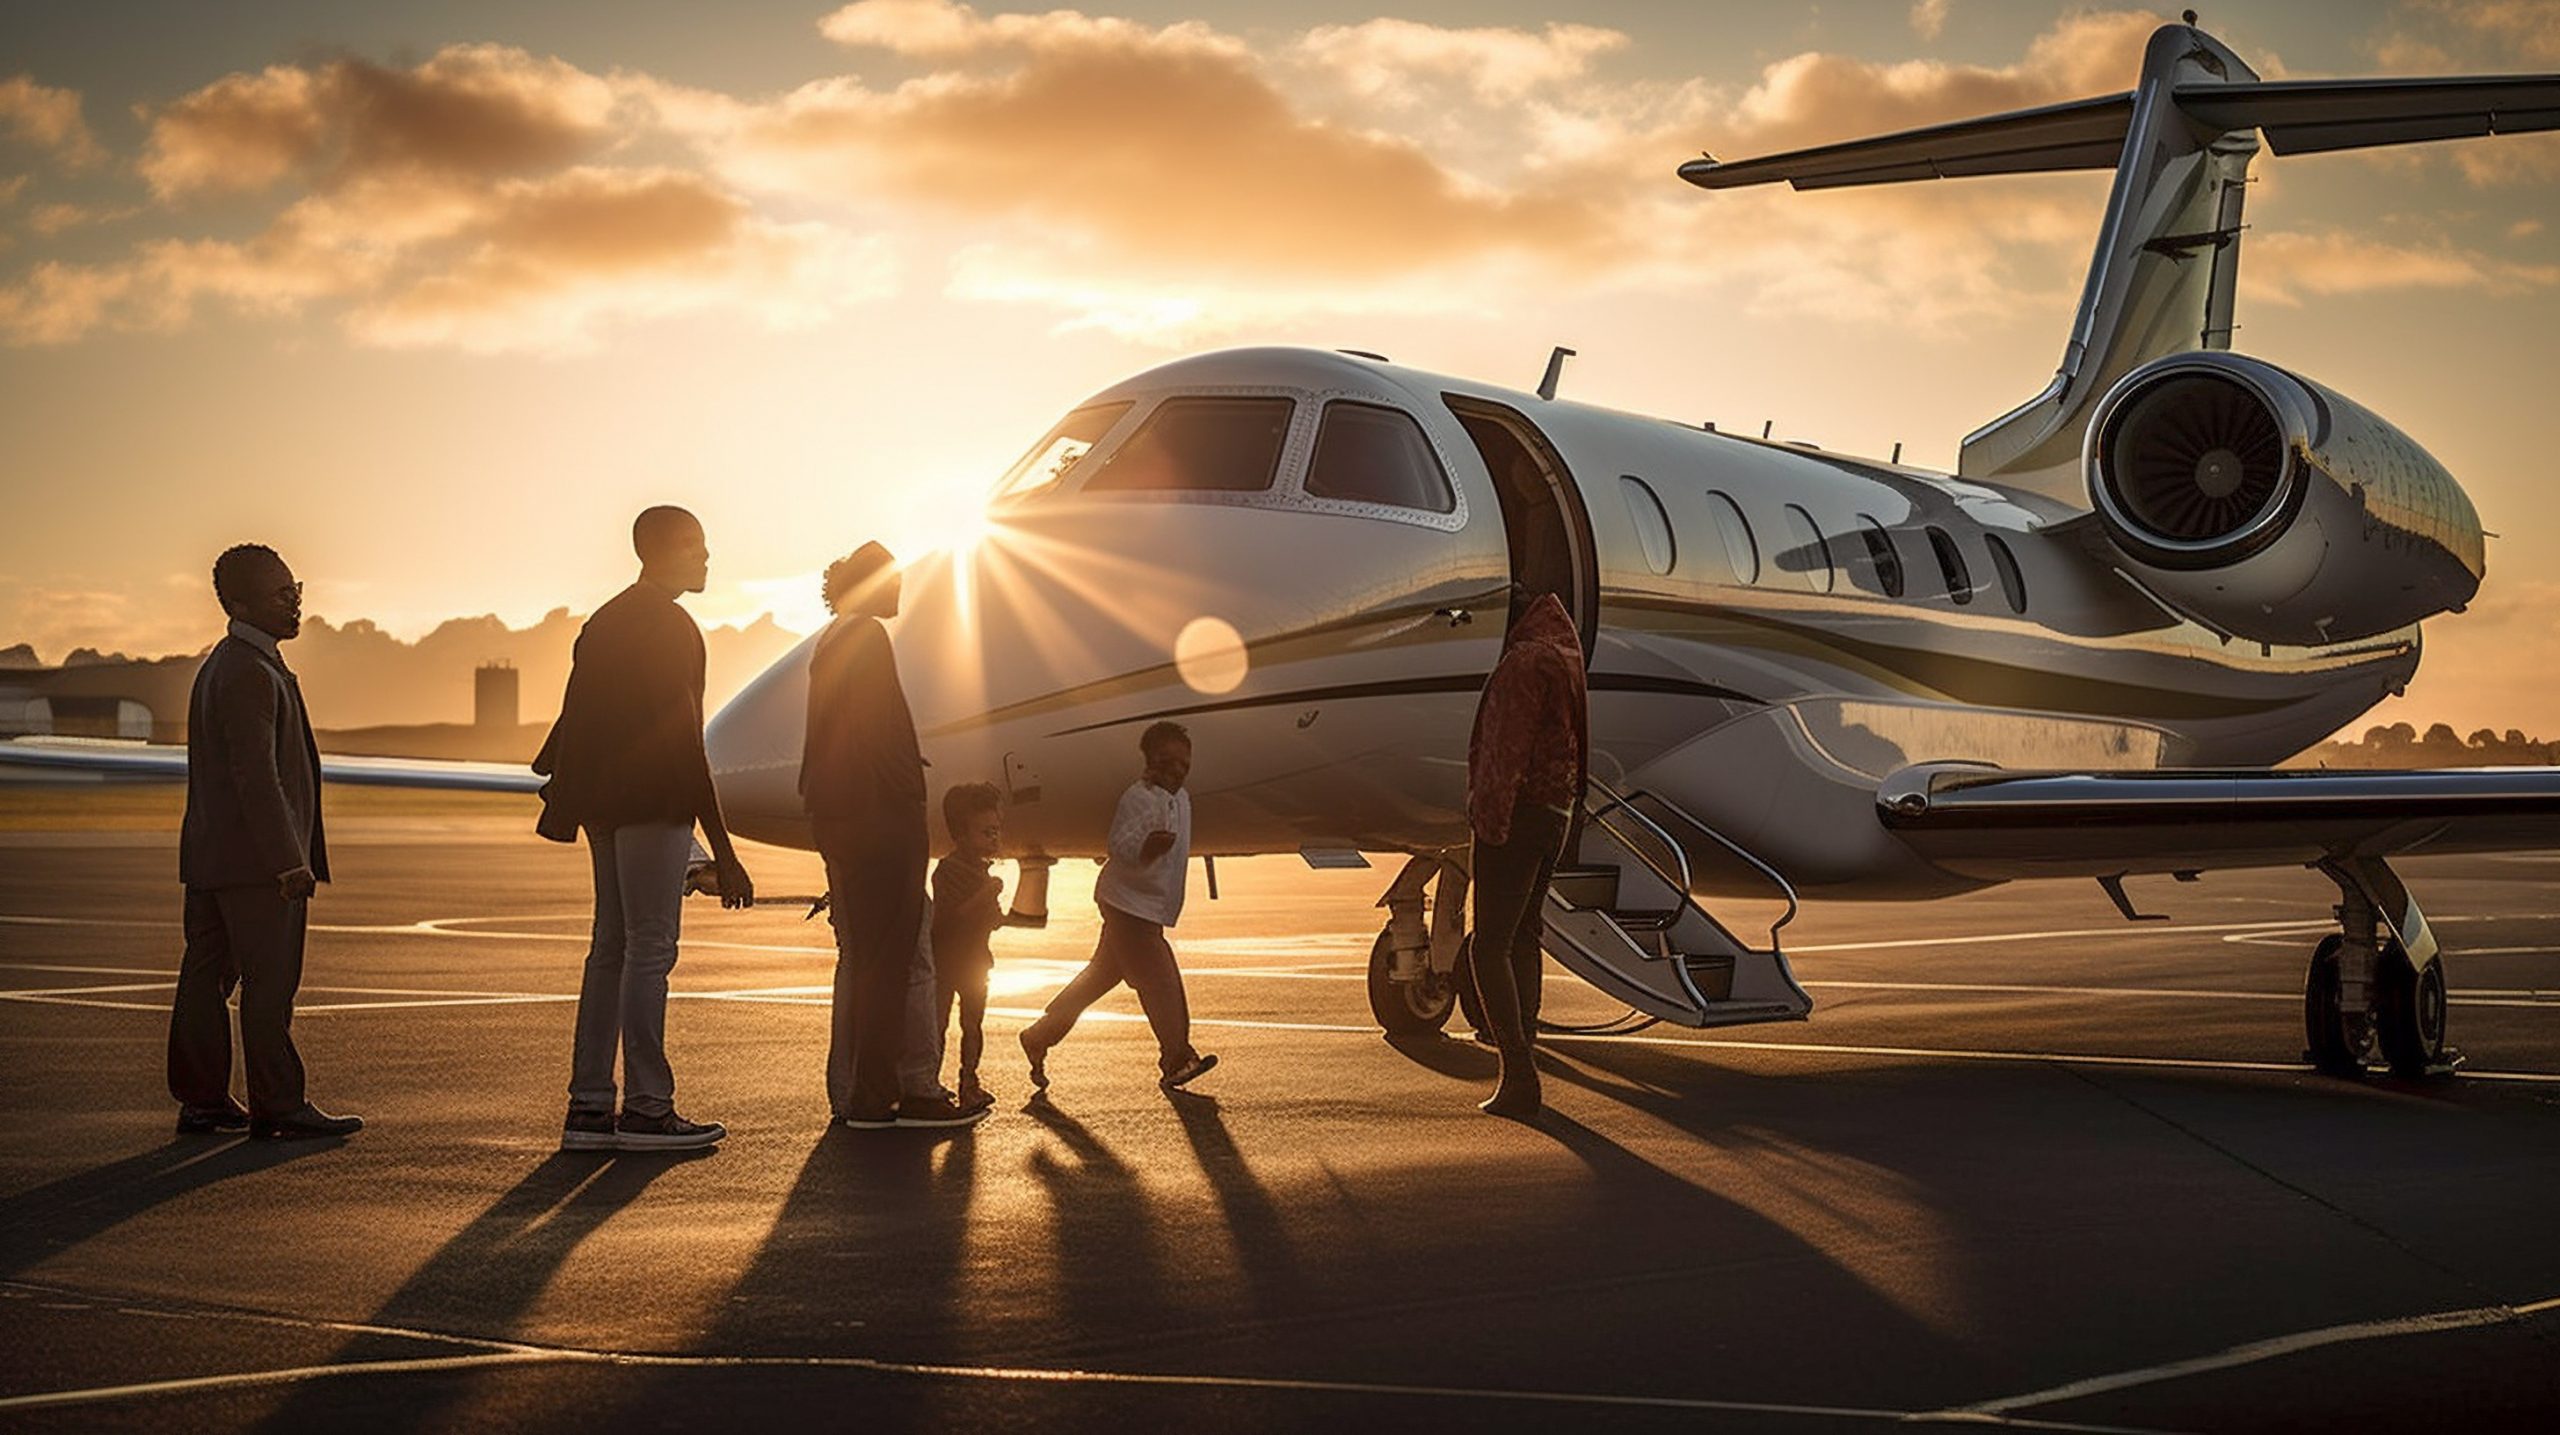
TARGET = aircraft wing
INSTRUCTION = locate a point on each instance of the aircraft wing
(138, 761)
(1998, 825)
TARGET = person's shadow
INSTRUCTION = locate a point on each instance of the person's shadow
(38, 1224)
(1254, 1219)
(491, 1271)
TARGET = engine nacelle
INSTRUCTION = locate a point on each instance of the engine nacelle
(2273, 509)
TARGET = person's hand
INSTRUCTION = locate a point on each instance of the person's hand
(736, 888)
(1159, 842)
(297, 884)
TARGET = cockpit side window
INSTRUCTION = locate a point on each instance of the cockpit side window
(1370, 454)
(1200, 444)
(1056, 454)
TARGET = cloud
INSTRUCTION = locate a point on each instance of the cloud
(2286, 268)
(48, 119)
(1929, 18)
(1386, 60)
(486, 110)
(53, 219)
(941, 30)
(2519, 29)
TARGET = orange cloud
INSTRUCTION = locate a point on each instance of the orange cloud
(48, 119)
(484, 110)
(2286, 268)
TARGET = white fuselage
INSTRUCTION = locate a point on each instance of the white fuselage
(1772, 630)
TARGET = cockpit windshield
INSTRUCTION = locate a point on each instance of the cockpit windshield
(1057, 453)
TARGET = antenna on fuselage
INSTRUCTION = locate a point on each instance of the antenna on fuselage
(1766, 425)
(1555, 371)
(1897, 452)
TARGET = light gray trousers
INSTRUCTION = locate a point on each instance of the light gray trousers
(622, 1002)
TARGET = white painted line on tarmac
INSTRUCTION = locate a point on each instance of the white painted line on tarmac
(516, 1355)
(2262, 1350)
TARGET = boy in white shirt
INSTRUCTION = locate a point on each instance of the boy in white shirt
(1140, 891)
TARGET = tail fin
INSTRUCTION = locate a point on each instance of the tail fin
(2168, 254)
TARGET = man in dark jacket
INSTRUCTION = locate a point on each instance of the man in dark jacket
(627, 765)
(250, 850)
(862, 780)
(1525, 766)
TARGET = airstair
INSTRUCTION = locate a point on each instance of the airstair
(1622, 916)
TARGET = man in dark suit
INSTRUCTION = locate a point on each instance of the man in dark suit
(250, 851)
(627, 765)
(862, 782)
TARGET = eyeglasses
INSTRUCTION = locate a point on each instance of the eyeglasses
(290, 590)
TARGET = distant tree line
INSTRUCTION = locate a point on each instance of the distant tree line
(2400, 744)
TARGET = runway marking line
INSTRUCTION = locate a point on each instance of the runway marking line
(490, 1354)
(2273, 1348)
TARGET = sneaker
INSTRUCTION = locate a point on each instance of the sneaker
(974, 1097)
(1190, 1071)
(938, 1111)
(880, 1120)
(665, 1132)
(308, 1124)
(588, 1131)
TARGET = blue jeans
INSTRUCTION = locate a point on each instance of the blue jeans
(622, 1002)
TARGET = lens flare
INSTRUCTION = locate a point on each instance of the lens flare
(1210, 655)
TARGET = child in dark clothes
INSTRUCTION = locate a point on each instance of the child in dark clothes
(968, 906)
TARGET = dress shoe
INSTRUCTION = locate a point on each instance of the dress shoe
(1517, 1096)
(204, 1120)
(306, 1124)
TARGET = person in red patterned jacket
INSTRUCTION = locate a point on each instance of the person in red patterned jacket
(1525, 766)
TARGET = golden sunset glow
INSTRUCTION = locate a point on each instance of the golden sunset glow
(435, 301)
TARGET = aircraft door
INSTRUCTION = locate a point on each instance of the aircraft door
(1545, 528)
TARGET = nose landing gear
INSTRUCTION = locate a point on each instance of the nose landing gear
(1414, 971)
(2377, 982)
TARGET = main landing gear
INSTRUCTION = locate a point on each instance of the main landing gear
(1417, 972)
(2377, 983)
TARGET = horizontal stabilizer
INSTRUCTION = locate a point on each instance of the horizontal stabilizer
(2084, 134)
(2308, 116)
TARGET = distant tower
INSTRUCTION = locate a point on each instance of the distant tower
(493, 695)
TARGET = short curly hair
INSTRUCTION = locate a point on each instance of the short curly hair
(966, 800)
(1157, 735)
(231, 571)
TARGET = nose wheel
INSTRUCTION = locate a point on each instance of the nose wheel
(1419, 1007)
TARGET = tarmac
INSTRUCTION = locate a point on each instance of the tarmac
(2028, 1165)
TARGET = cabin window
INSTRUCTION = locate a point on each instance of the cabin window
(1200, 445)
(1951, 565)
(1653, 525)
(1807, 555)
(2013, 584)
(1739, 548)
(1884, 564)
(1369, 454)
(1056, 455)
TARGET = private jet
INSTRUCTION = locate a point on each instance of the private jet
(2078, 655)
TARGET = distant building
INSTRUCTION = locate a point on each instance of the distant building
(139, 700)
(494, 694)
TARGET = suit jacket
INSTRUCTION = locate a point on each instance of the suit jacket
(860, 758)
(628, 745)
(253, 775)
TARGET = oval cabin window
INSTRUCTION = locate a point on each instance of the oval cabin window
(1739, 549)
(2013, 584)
(1884, 562)
(1653, 525)
(1951, 566)
(1807, 556)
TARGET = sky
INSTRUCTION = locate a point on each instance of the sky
(433, 298)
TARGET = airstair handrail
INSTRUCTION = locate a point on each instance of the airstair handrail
(1626, 801)
(1618, 801)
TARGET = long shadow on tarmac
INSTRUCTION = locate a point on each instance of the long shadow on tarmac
(36, 1225)
(495, 1268)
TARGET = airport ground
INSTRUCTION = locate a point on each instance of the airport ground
(2028, 1164)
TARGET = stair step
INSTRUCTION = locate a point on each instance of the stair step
(1585, 889)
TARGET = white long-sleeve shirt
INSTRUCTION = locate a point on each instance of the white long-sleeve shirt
(1150, 891)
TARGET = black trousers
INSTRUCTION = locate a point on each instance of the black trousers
(968, 986)
(875, 901)
(249, 938)
(1510, 891)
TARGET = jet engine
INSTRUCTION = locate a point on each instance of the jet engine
(2268, 507)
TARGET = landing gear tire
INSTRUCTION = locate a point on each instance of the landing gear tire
(1416, 1008)
(2409, 1014)
(2340, 1041)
